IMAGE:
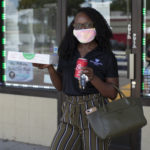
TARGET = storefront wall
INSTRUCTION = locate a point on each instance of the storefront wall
(28, 119)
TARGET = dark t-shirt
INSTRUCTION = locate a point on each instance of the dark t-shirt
(104, 65)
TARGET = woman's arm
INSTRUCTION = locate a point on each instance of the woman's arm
(55, 76)
(147, 58)
(105, 88)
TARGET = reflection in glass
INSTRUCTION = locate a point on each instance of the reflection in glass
(31, 28)
(146, 48)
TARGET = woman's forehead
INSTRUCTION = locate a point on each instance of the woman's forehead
(82, 18)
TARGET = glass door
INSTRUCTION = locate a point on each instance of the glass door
(146, 49)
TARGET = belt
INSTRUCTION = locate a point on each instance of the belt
(82, 99)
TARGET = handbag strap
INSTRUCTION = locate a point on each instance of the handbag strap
(121, 93)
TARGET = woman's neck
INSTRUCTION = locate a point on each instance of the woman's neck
(86, 48)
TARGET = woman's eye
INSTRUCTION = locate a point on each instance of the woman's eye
(83, 26)
(86, 26)
(78, 26)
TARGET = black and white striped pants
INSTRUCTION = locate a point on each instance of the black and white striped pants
(74, 131)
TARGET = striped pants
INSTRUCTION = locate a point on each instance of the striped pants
(74, 131)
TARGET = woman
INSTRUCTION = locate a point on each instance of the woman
(88, 37)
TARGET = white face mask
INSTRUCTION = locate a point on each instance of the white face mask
(85, 35)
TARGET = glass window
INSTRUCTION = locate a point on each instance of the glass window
(30, 28)
(118, 15)
(146, 48)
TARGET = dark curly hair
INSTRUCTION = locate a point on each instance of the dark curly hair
(69, 43)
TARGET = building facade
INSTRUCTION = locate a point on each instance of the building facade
(30, 107)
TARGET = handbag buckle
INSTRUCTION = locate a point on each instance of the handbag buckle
(91, 110)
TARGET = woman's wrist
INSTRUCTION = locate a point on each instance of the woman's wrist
(50, 66)
(92, 78)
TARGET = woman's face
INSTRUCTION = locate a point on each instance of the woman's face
(82, 21)
(84, 30)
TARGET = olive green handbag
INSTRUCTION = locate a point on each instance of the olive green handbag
(117, 117)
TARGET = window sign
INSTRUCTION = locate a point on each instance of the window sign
(19, 71)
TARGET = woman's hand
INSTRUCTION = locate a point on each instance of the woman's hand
(89, 72)
(41, 66)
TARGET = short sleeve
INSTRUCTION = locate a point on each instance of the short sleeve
(59, 67)
(111, 66)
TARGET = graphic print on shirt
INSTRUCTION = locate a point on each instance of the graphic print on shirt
(96, 62)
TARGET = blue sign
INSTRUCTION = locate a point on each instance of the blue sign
(19, 71)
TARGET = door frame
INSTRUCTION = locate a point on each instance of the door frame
(137, 23)
(137, 46)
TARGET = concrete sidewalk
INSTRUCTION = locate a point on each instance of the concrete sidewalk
(13, 145)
